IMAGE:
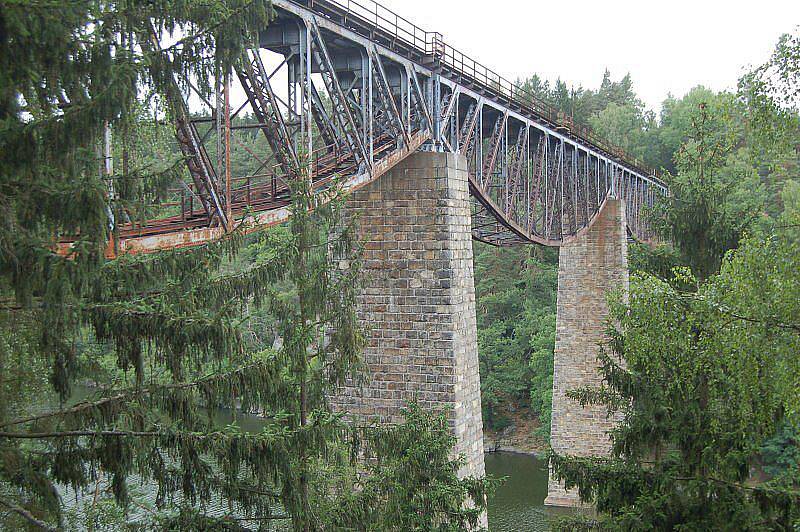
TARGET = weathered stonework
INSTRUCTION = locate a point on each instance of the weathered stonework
(418, 304)
(589, 268)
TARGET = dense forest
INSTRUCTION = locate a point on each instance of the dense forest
(113, 372)
(705, 358)
(516, 313)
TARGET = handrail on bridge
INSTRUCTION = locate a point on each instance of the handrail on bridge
(432, 44)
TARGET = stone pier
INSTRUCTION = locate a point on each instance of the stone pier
(418, 304)
(589, 268)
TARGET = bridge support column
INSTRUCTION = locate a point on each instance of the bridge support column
(589, 268)
(418, 304)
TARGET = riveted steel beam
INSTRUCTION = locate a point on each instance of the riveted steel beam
(495, 142)
(385, 94)
(419, 97)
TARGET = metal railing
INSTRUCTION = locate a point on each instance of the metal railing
(383, 18)
(432, 44)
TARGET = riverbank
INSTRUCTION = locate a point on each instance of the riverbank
(520, 437)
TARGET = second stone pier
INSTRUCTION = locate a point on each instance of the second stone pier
(590, 267)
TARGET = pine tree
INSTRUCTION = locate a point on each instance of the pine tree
(163, 337)
(170, 320)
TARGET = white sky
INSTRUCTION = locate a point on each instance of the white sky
(668, 46)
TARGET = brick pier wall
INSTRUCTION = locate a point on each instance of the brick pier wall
(418, 304)
(588, 269)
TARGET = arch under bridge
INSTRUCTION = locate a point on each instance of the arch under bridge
(435, 150)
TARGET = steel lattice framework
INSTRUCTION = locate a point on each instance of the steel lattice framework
(348, 88)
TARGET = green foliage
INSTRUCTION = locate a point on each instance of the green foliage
(780, 455)
(627, 126)
(727, 354)
(713, 199)
(543, 340)
(613, 110)
(659, 260)
(769, 97)
(515, 291)
(705, 371)
(411, 481)
(703, 381)
(579, 103)
(65, 74)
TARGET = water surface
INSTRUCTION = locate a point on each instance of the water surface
(516, 506)
(518, 503)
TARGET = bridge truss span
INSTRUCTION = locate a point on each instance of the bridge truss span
(348, 88)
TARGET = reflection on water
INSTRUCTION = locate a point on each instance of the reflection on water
(518, 503)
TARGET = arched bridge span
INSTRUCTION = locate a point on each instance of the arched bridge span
(359, 88)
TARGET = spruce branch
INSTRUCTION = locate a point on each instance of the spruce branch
(127, 395)
(25, 514)
(76, 434)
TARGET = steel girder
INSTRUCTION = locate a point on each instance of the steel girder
(360, 97)
(548, 186)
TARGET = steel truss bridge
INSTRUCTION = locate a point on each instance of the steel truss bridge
(348, 88)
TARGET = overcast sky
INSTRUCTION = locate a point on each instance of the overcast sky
(667, 46)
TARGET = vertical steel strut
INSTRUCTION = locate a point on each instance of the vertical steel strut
(394, 120)
(494, 147)
(198, 162)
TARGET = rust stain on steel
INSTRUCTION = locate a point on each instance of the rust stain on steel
(257, 222)
(180, 239)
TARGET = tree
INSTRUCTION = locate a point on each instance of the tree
(770, 99)
(700, 217)
(706, 379)
(67, 74)
(542, 344)
(630, 127)
(161, 337)
(515, 292)
(411, 482)
(704, 370)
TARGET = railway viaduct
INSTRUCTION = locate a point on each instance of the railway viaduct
(436, 151)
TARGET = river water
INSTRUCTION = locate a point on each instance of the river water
(516, 506)
(518, 503)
